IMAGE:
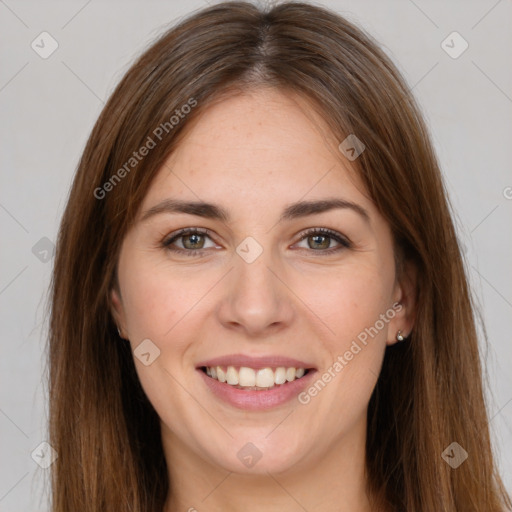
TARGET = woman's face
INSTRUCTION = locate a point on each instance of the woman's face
(260, 294)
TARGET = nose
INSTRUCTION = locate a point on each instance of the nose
(256, 300)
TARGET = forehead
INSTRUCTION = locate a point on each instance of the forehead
(255, 149)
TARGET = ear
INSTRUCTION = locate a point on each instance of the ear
(405, 299)
(117, 311)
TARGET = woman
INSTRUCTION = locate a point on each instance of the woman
(258, 297)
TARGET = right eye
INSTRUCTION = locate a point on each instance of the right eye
(192, 241)
(189, 241)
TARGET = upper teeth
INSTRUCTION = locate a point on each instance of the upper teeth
(262, 378)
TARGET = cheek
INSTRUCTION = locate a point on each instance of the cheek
(149, 306)
(350, 300)
(338, 398)
(156, 302)
(156, 298)
(355, 307)
(163, 304)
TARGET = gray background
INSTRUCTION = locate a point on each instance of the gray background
(49, 107)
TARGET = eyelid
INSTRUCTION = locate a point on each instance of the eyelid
(190, 230)
(175, 235)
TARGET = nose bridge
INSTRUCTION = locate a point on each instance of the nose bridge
(254, 277)
(256, 298)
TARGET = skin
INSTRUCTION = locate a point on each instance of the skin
(254, 154)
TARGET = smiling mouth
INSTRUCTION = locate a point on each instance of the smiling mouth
(251, 379)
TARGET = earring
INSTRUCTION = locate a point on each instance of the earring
(119, 332)
(399, 336)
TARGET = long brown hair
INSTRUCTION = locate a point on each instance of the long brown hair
(430, 391)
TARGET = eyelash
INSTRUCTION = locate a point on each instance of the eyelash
(344, 242)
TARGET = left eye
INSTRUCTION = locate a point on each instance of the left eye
(322, 238)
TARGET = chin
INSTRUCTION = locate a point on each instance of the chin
(260, 454)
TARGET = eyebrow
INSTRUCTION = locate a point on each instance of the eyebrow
(216, 212)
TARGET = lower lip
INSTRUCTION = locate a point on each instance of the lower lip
(257, 400)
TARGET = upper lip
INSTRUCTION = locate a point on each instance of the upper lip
(270, 361)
